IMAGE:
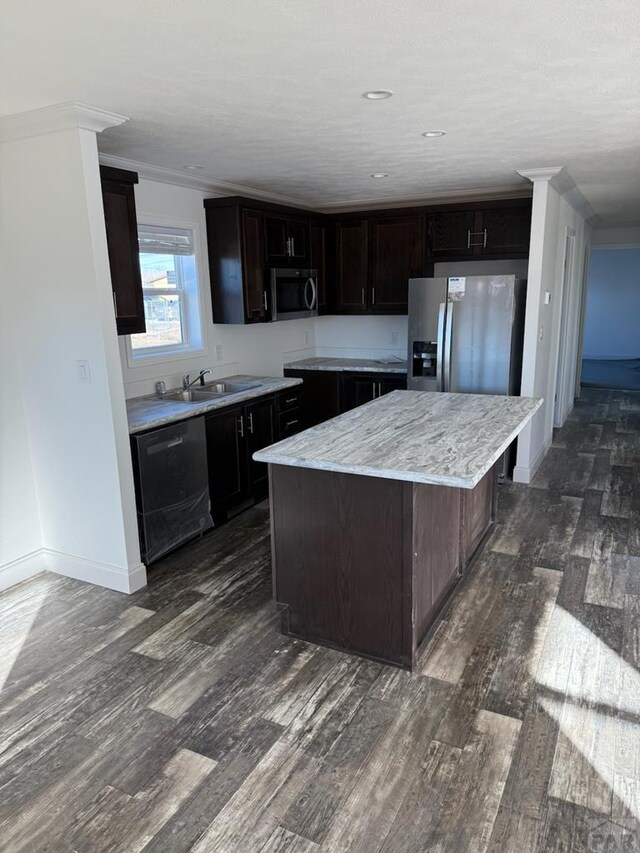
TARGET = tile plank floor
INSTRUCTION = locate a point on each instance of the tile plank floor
(179, 719)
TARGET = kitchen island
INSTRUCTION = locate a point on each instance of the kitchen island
(376, 514)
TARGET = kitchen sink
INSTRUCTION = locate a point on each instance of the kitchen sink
(228, 387)
(210, 391)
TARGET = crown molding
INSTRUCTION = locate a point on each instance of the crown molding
(204, 183)
(561, 181)
(207, 184)
(444, 197)
(56, 118)
(546, 173)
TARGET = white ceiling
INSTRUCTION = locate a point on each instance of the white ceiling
(267, 94)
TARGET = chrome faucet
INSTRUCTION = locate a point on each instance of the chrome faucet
(187, 382)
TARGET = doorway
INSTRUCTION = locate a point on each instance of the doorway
(611, 352)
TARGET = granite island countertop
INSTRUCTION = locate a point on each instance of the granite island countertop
(368, 365)
(152, 411)
(414, 436)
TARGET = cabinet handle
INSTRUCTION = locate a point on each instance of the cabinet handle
(264, 300)
(471, 234)
(241, 426)
(373, 384)
(250, 416)
(290, 423)
(468, 238)
(484, 242)
(373, 296)
(115, 303)
(293, 247)
(362, 296)
(292, 400)
(379, 389)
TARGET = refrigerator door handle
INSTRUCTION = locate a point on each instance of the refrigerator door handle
(448, 332)
(440, 351)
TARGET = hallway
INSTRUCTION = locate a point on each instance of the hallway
(179, 719)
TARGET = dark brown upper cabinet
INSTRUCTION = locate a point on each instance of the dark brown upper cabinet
(287, 242)
(375, 258)
(450, 235)
(235, 241)
(499, 230)
(352, 265)
(122, 243)
(507, 231)
(397, 254)
(318, 246)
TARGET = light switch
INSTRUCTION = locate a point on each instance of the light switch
(84, 371)
(547, 297)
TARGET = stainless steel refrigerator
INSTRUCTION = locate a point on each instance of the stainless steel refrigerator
(466, 334)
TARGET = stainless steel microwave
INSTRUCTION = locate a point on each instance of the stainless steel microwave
(294, 294)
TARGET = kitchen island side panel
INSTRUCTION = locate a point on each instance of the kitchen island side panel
(437, 554)
(340, 569)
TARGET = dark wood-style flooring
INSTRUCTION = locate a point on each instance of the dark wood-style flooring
(179, 719)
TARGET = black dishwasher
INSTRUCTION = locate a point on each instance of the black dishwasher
(172, 488)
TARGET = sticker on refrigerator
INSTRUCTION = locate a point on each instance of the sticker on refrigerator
(456, 289)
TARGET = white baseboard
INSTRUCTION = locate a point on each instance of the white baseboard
(101, 574)
(524, 473)
(19, 570)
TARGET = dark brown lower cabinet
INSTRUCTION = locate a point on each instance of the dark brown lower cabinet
(234, 434)
(359, 388)
(365, 564)
(328, 393)
(260, 431)
(226, 460)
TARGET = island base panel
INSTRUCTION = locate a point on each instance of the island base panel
(364, 564)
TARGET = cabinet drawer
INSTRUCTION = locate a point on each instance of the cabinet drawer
(290, 399)
(290, 422)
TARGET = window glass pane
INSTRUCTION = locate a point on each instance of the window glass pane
(164, 322)
(158, 270)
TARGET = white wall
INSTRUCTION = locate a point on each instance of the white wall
(620, 237)
(613, 304)
(20, 534)
(61, 311)
(552, 218)
(259, 349)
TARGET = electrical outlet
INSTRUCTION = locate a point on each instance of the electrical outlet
(394, 338)
(218, 352)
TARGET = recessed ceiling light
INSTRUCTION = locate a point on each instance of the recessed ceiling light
(431, 134)
(193, 168)
(379, 175)
(378, 94)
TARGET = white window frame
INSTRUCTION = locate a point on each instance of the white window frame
(191, 307)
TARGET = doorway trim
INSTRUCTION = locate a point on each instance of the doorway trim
(563, 397)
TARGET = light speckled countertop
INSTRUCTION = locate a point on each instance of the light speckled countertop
(151, 411)
(415, 436)
(369, 365)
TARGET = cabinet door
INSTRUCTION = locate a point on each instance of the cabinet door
(260, 430)
(124, 260)
(318, 251)
(392, 383)
(352, 268)
(300, 242)
(451, 235)
(255, 294)
(397, 254)
(276, 240)
(226, 459)
(358, 389)
(507, 231)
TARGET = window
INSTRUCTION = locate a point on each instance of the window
(170, 291)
